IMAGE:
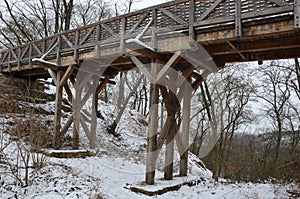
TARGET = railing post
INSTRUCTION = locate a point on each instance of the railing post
(297, 13)
(192, 34)
(98, 38)
(123, 30)
(238, 20)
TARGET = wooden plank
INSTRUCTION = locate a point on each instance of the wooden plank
(19, 57)
(53, 76)
(138, 22)
(141, 67)
(208, 11)
(169, 65)
(172, 16)
(235, 49)
(122, 41)
(192, 33)
(97, 50)
(58, 52)
(66, 127)
(58, 109)
(165, 95)
(162, 136)
(25, 51)
(102, 85)
(76, 114)
(85, 128)
(66, 76)
(94, 119)
(30, 56)
(279, 2)
(45, 64)
(76, 46)
(87, 36)
(183, 78)
(185, 130)
(69, 93)
(152, 130)
(67, 40)
(169, 154)
(238, 20)
(106, 27)
(200, 79)
(14, 54)
(141, 48)
(50, 46)
(36, 48)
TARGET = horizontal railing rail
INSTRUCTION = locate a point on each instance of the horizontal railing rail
(176, 15)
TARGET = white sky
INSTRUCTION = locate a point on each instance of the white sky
(140, 4)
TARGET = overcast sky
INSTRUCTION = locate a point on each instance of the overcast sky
(140, 4)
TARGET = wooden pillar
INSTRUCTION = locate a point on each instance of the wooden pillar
(238, 18)
(94, 116)
(76, 115)
(192, 34)
(185, 130)
(58, 108)
(169, 155)
(152, 130)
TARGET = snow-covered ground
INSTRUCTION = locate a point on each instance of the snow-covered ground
(117, 165)
(106, 176)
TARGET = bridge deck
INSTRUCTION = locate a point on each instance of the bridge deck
(230, 31)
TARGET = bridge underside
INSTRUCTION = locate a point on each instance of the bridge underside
(195, 48)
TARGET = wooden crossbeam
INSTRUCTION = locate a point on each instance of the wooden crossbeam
(169, 65)
(66, 127)
(106, 27)
(138, 22)
(184, 76)
(279, 2)
(85, 38)
(172, 16)
(69, 93)
(68, 41)
(208, 11)
(66, 75)
(141, 67)
(200, 59)
(85, 128)
(141, 48)
(236, 50)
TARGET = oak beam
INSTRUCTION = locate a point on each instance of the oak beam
(58, 109)
(152, 130)
(185, 130)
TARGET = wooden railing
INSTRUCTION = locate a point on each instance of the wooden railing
(188, 15)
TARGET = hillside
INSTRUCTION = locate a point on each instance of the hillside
(116, 165)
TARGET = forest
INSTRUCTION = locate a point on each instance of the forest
(245, 119)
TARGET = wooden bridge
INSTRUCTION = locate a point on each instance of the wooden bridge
(194, 37)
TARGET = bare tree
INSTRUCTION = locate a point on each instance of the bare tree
(275, 92)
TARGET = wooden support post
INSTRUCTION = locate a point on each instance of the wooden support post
(58, 108)
(152, 130)
(297, 13)
(76, 114)
(192, 34)
(185, 130)
(170, 143)
(94, 116)
(238, 18)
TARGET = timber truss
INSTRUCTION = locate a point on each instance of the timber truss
(175, 45)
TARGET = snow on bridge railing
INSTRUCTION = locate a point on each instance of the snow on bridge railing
(175, 15)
